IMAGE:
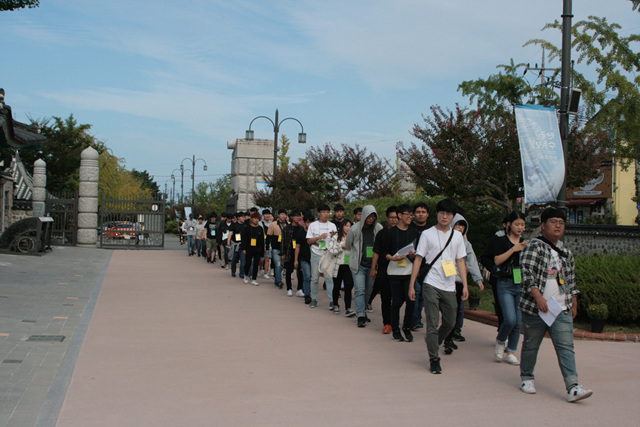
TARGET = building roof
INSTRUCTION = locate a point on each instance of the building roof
(16, 134)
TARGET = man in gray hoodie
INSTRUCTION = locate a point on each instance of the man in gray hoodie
(359, 242)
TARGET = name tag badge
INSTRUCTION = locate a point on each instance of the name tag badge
(346, 258)
(322, 244)
(254, 242)
(294, 244)
(517, 276)
(225, 235)
(402, 262)
(369, 251)
(238, 237)
(449, 268)
(560, 279)
(213, 233)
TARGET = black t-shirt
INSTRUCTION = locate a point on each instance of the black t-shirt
(497, 246)
(367, 242)
(396, 239)
(300, 237)
(378, 245)
(236, 231)
(252, 235)
(211, 229)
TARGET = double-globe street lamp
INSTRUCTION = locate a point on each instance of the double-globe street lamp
(302, 139)
(181, 182)
(193, 175)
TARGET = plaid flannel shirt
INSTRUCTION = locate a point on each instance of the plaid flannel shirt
(535, 260)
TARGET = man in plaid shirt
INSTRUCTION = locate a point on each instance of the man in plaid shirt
(548, 271)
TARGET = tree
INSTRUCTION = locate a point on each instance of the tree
(613, 101)
(501, 92)
(116, 182)
(352, 172)
(473, 156)
(212, 196)
(283, 158)
(299, 187)
(146, 180)
(6, 5)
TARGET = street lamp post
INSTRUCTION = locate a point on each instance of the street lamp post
(564, 95)
(193, 175)
(173, 177)
(302, 139)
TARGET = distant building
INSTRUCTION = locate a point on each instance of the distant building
(610, 193)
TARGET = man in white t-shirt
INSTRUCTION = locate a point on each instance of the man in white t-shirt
(439, 286)
(548, 271)
(317, 235)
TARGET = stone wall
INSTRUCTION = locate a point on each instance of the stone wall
(603, 239)
(251, 161)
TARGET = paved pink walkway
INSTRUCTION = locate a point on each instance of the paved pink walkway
(177, 342)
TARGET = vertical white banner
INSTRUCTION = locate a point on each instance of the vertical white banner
(541, 153)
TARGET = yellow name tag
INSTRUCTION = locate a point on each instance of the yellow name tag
(280, 238)
(238, 237)
(254, 242)
(294, 244)
(449, 268)
(402, 262)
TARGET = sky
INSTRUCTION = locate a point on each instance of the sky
(160, 81)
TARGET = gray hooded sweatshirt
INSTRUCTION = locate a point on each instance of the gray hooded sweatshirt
(470, 260)
(353, 241)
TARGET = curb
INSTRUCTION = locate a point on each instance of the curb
(491, 319)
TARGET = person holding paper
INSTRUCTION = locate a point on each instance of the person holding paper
(399, 250)
(317, 234)
(548, 270)
(505, 251)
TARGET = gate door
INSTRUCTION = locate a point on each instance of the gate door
(63, 208)
(130, 223)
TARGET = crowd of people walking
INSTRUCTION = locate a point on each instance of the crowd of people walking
(410, 264)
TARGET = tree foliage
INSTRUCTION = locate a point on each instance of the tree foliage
(212, 196)
(475, 157)
(116, 182)
(146, 181)
(7, 5)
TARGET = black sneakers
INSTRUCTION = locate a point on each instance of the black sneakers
(362, 322)
(408, 337)
(397, 336)
(458, 337)
(434, 366)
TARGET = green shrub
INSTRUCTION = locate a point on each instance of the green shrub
(611, 280)
(171, 227)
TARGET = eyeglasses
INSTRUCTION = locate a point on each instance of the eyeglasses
(392, 218)
(556, 222)
(407, 213)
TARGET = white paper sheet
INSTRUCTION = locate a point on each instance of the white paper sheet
(406, 250)
(553, 310)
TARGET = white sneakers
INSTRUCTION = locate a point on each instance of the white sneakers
(289, 293)
(300, 293)
(528, 387)
(499, 352)
(246, 279)
(577, 392)
(266, 276)
(511, 359)
(255, 283)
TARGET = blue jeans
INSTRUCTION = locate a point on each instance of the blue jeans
(306, 274)
(509, 297)
(237, 255)
(419, 303)
(361, 282)
(190, 243)
(277, 265)
(561, 333)
(315, 277)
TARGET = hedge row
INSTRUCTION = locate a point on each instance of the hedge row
(613, 280)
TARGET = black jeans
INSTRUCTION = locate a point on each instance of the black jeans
(344, 275)
(400, 295)
(288, 269)
(252, 258)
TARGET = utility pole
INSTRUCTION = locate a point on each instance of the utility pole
(564, 95)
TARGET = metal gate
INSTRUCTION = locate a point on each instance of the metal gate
(131, 223)
(63, 208)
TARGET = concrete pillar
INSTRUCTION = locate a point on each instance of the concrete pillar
(39, 195)
(88, 198)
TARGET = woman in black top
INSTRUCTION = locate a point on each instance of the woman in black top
(252, 245)
(505, 251)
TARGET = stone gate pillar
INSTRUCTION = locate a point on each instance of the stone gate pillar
(88, 198)
(39, 195)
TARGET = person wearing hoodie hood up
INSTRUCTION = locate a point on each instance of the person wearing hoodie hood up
(359, 242)
(460, 224)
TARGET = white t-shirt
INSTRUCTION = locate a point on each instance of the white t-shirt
(431, 243)
(316, 229)
(551, 288)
